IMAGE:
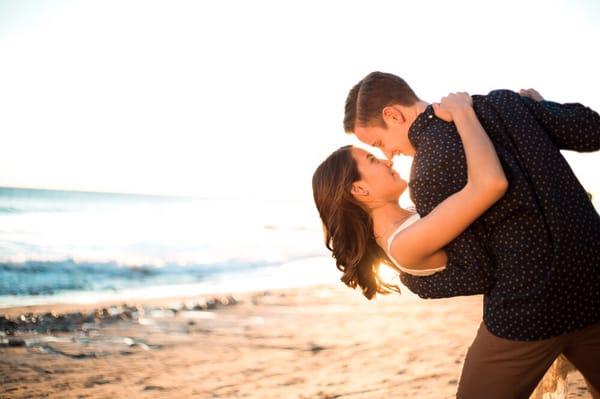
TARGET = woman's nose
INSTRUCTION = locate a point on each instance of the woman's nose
(389, 163)
(388, 154)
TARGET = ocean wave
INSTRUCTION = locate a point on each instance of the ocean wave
(10, 209)
(39, 277)
(50, 277)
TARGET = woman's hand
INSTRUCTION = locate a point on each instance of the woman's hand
(531, 93)
(452, 104)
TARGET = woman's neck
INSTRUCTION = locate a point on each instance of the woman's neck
(386, 216)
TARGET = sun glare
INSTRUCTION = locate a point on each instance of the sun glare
(387, 274)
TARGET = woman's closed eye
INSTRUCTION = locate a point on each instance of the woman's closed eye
(371, 158)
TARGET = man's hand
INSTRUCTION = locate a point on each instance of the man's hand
(531, 93)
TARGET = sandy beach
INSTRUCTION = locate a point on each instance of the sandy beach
(315, 342)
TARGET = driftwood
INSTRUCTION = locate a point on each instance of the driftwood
(554, 384)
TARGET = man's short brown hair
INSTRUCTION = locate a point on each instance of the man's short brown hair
(371, 95)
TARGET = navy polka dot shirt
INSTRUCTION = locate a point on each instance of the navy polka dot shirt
(535, 255)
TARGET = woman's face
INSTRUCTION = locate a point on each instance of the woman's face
(378, 178)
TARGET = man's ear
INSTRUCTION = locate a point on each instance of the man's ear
(359, 190)
(393, 113)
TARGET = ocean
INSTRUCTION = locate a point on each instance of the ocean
(68, 246)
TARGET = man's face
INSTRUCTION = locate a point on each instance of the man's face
(391, 140)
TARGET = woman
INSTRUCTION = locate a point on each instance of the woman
(357, 198)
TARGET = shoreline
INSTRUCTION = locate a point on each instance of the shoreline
(322, 341)
(292, 273)
(63, 307)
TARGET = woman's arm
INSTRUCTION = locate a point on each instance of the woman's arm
(486, 184)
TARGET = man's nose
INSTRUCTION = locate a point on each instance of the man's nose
(389, 163)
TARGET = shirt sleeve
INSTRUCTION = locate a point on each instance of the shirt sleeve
(571, 126)
(466, 273)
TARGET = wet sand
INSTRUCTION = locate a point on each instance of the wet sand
(314, 342)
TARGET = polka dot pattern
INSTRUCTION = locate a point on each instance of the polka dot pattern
(535, 255)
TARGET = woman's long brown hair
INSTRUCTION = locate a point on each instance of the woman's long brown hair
(348, 228)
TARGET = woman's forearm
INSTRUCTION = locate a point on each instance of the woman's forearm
(483, 166)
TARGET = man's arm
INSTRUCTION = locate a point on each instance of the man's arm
(434, 177)
(466, 273)
(439, 169)
(571, 126)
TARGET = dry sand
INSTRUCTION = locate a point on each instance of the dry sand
(315, 342)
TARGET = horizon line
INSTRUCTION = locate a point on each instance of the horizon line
(142, 194)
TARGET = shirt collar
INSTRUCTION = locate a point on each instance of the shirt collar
(418, 126)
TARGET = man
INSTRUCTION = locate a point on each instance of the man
(541, 240)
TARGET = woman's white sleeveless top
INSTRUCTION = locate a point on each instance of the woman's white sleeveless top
(405, 224)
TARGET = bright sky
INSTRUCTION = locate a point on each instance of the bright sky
(245, 98)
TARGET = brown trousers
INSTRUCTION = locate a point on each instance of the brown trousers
(504, 369)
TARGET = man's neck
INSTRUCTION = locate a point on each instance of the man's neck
(420, 108)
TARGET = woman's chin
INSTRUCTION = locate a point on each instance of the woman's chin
(402, 186)
(399, 189)
(397, 185)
